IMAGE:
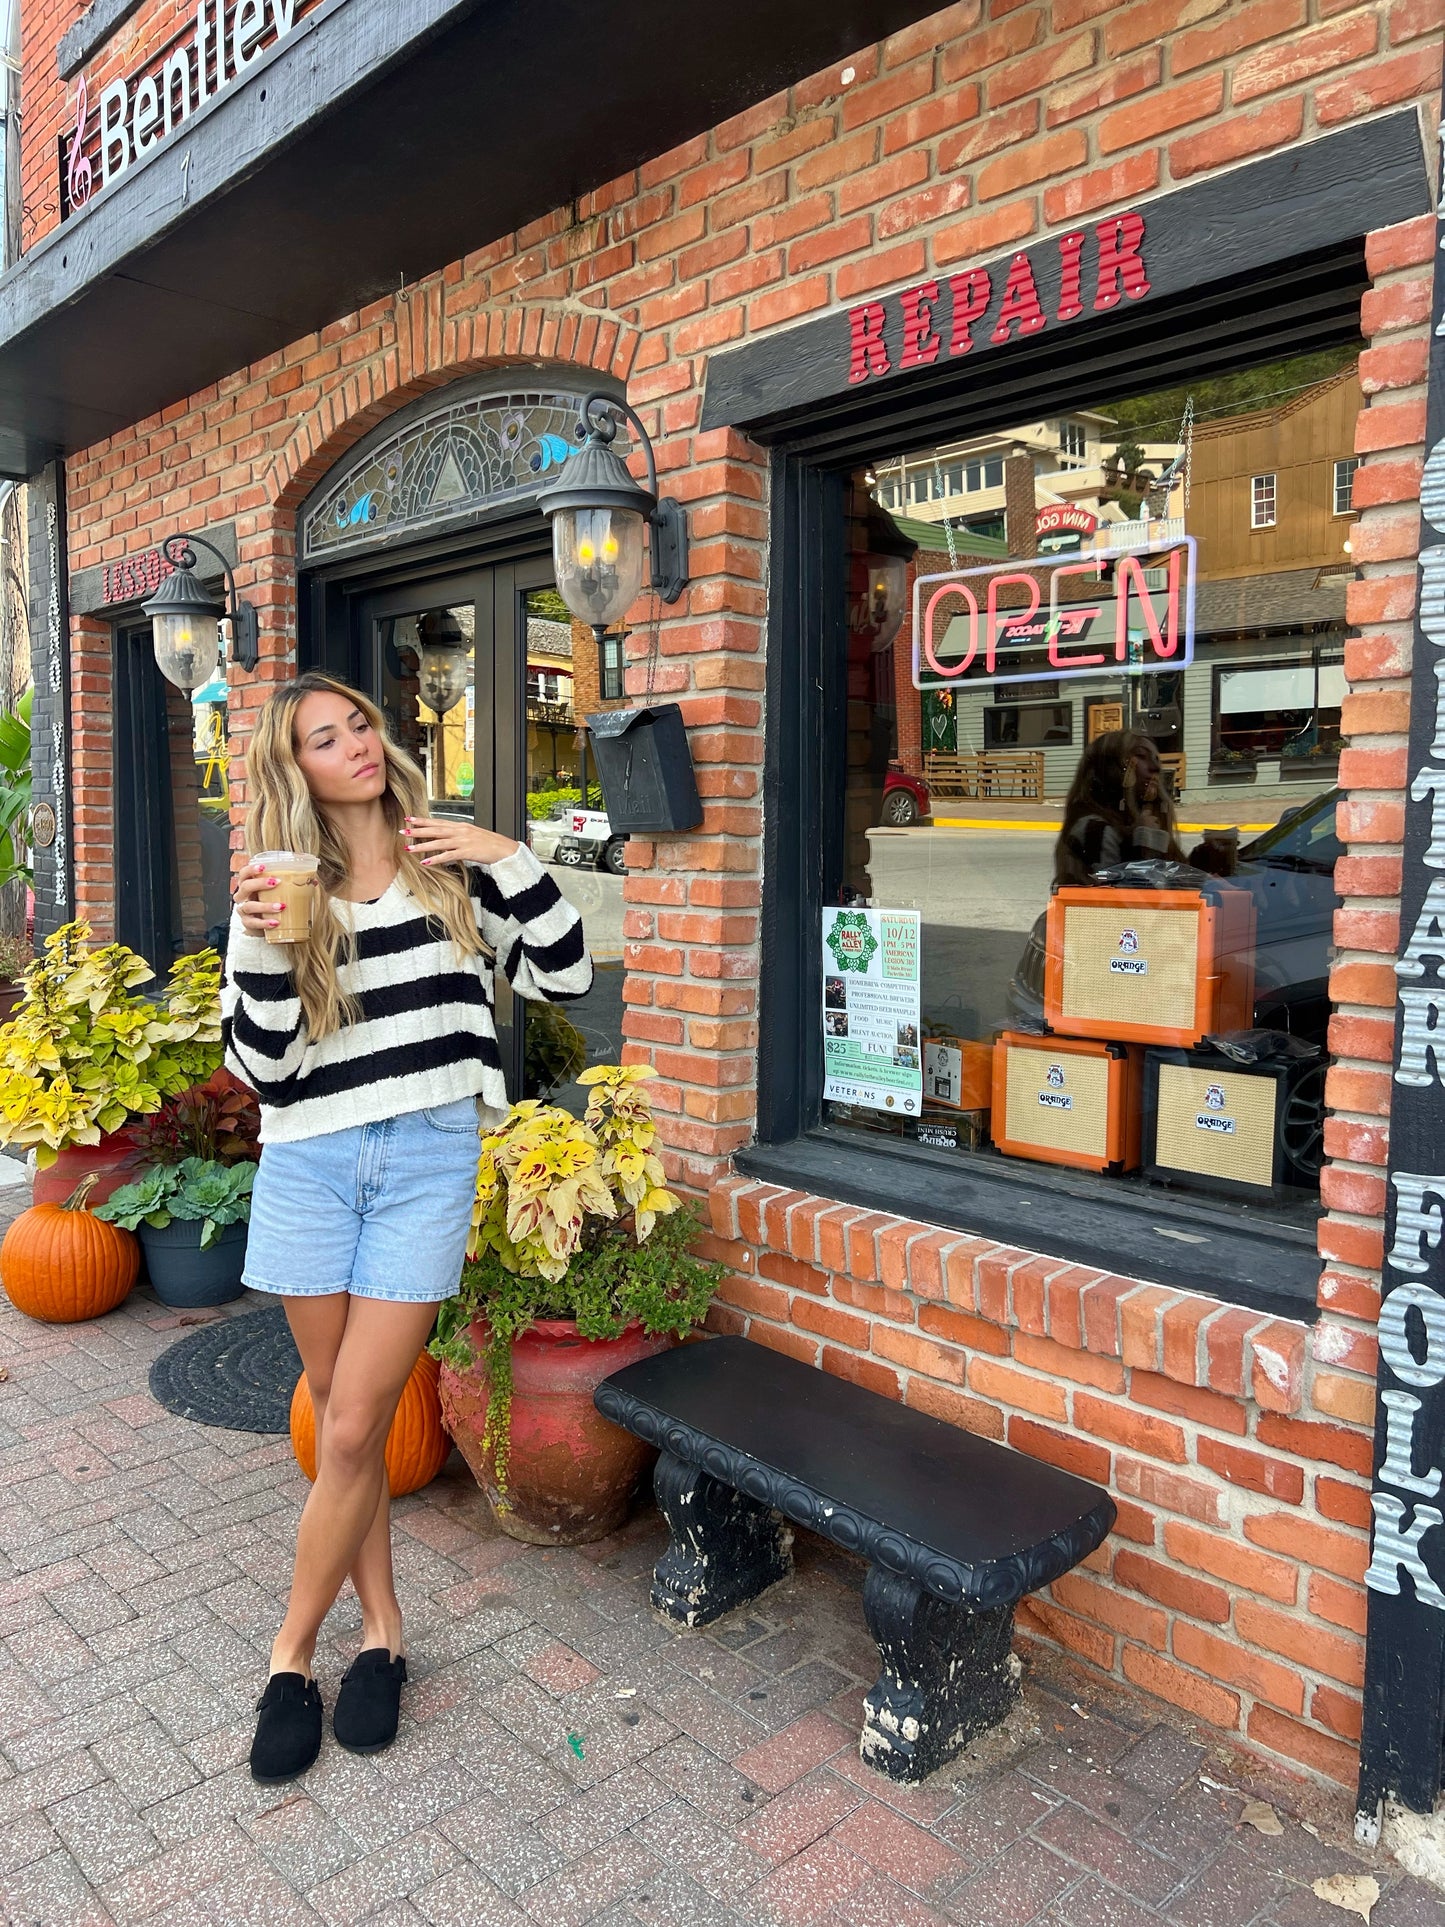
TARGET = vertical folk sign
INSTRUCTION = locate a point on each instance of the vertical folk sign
(1404, 1729)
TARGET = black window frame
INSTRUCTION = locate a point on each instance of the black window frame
(611, 669)
(1168, 1238)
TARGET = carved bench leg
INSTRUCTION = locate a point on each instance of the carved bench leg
(726, 1548)
(946, 1676)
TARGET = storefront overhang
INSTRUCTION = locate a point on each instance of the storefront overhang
(372, 146)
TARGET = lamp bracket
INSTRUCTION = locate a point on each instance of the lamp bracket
(668, 542)
(245, 635)
(180, 552)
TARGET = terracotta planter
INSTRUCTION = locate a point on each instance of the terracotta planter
(573, 1474)
(10, 995)
(114, 1159)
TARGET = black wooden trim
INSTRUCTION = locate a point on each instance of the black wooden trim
(1062, 1214)
(1315, 198)
(50, 717)
(142, 799)
(96, 25)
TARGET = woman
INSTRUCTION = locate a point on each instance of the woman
(372, 1049)
(1118, 809)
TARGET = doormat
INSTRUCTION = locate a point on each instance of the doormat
(238, 1373)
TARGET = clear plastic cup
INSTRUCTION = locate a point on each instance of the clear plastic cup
(297, 890)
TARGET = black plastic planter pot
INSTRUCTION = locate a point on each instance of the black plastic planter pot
(186, 1276)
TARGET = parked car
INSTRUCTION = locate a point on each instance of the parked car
(905, 799)
(572, 837)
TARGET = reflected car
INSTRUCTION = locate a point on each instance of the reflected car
(573, 837)
(906, 800)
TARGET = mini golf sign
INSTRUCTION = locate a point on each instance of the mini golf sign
(872, 1052)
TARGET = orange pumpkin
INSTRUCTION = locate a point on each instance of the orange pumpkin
(61, 1264)
(416, 1446)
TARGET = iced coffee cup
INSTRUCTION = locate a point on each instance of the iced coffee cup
(297, 891)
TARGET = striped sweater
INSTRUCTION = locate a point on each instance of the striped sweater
(426, 1035)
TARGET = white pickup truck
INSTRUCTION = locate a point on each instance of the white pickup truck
(573, 836)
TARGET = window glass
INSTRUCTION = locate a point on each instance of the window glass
(1261, 507)
(1081, 907)
(1344, 489)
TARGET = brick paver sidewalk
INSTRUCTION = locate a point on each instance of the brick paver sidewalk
(142, 1562)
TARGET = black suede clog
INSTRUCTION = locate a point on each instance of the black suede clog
(288, 1733)
(369, 1701)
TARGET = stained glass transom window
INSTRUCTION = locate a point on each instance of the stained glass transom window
(446, 466)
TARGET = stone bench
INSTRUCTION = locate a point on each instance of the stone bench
(955, 1529)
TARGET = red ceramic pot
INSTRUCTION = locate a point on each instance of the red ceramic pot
(573, 1474)
(115, 1160)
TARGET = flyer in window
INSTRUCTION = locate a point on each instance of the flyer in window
(872, 1051)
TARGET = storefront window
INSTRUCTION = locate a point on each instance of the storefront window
(1109, 948)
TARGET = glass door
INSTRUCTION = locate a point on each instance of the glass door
(475, 673)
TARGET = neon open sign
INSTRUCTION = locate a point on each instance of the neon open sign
(1112, 611)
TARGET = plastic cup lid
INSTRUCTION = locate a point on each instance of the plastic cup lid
(288, 859)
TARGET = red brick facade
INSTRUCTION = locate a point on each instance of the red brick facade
(1238, 1446)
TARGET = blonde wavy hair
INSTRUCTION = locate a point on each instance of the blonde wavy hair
(284, 816)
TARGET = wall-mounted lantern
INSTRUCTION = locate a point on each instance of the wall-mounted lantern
(443, 660)
(602, 521)
(186, 619)
(880, 580)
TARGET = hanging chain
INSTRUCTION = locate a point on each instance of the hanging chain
(948, 535)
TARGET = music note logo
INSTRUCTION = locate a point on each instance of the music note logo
(79, 175)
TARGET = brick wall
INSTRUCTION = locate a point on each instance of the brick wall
(961, 136)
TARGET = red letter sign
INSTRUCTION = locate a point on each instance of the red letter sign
(921, 341)
(1119, 258)
(867, 355)
(1020, 302)
(970, 300)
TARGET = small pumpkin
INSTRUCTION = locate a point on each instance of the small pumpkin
(60, 1264)
(416, 1446)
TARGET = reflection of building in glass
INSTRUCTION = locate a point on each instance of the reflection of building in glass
(1268, 501)
(1074, 460)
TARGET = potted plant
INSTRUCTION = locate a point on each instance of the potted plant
(191, 1204)
(84, 1056)
(580, 1262)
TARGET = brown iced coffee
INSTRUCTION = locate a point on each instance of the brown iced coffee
(297, 891)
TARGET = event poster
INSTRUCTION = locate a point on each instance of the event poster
(872, 1053)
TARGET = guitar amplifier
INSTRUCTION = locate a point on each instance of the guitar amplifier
(957, 1073)
(1150, 966)
(1066, 1100)
(1210, 1125)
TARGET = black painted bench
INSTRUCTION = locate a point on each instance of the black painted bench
(955, 1529)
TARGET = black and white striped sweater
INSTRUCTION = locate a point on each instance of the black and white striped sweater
(425, 1036)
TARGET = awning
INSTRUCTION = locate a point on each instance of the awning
(373, 145)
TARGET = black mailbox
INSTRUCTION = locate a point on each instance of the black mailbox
(645, 768)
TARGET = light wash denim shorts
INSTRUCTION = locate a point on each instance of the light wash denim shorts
(380, 1210)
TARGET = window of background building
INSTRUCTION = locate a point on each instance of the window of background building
(611, 686)
(1223, 772)
(1344, 489)
(1073, 443)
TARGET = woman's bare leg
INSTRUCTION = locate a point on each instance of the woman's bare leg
(318, 1325)
(363, 1352)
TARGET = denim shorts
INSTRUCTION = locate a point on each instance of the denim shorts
(380, 1210)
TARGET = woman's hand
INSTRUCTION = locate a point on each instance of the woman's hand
(257, 917)
(440, 839)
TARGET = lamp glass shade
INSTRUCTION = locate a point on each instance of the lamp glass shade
(598, 554)
(880, 584)
(187, 645)
(443, 673)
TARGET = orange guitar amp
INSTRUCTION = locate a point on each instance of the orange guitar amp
(1210, 1125)
(1066, 1100)
(1150, 966)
